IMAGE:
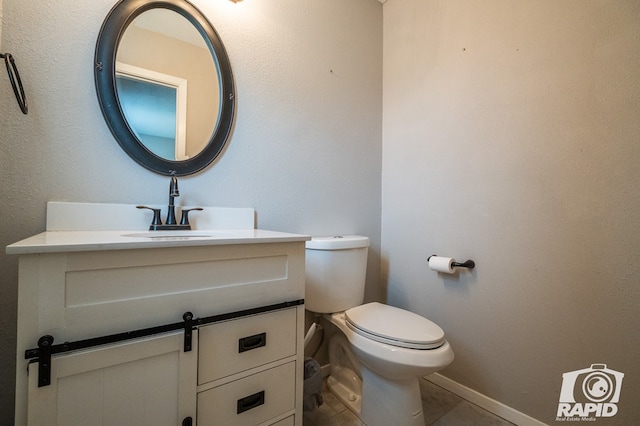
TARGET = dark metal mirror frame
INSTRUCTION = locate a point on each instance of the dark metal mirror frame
(114, 26)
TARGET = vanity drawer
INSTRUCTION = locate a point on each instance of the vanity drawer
(251, 400)
(229, 347)
(289, 421)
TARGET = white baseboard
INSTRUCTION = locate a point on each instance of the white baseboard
(483, 401)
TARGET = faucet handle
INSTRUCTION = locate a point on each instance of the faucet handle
(185, 216)
(156, 221)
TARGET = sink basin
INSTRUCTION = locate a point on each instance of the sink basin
(177, 235)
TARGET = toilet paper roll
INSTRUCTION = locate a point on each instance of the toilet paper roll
(442, 264)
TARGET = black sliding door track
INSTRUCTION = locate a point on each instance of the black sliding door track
(46, 348)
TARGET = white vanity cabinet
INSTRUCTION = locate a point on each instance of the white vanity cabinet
(245, 290)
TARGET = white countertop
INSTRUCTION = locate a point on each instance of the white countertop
(75, 241)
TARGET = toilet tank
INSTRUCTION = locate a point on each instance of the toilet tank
(336, 268)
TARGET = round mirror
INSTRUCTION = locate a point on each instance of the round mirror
(164, 84)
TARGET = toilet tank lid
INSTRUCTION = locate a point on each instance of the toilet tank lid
(338, 242)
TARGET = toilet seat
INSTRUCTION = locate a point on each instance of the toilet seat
(394, 326)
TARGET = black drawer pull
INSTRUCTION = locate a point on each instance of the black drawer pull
(251, 401)
(252, 342)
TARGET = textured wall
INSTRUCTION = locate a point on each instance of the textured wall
(510, 136)
(305, 151)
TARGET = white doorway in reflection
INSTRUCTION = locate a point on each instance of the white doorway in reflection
(155, 107)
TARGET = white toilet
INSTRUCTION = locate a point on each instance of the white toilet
(382, 351)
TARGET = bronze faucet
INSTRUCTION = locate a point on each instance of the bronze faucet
(170, 224)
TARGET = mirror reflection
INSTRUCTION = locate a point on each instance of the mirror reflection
(171, 101)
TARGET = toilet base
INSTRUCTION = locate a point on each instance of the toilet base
(389, 402)
(379, 402)
(344, 381)
(376, 400)
(345, 393)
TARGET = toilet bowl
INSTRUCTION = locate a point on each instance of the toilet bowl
(380, 351)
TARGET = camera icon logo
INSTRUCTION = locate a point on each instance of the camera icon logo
(594, 384)
(593, 391)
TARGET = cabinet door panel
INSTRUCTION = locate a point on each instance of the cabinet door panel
(143, 382)
(233, 346)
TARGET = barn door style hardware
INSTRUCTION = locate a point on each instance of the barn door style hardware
(188, 331)
(42, 354)
(44, 367)
(46, 349)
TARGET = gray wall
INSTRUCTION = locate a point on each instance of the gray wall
(305, 151)
(511, 136)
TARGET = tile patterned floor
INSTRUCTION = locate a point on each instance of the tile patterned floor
(441, 408)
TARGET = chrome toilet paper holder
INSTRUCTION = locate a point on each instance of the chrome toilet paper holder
(467, 264)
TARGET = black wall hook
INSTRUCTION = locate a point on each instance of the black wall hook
(16, 82)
